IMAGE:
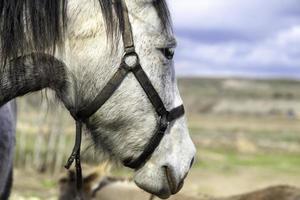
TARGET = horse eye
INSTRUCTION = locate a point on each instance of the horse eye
(168, 52)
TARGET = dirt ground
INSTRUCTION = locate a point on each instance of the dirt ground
(244, 180)
(33, 186)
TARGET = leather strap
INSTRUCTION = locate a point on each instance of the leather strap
(76, 156)
(108, 90)
(175, 113)
(150, 91)
(127, 30)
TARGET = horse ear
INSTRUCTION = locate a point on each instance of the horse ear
(90, 178)
(70, 177)
(63, 180)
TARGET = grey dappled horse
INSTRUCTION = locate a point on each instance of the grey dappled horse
(7, 143)
(75, 47)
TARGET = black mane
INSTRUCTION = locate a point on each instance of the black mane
(38, 25)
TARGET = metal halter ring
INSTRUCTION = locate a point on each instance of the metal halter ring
(131, 60)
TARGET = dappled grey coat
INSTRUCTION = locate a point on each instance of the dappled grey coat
(7, 143)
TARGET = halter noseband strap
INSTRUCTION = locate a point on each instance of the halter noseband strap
(126, 67)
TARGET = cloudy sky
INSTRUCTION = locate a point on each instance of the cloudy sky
(253, 38)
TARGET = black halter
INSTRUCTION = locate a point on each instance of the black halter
(126, 67)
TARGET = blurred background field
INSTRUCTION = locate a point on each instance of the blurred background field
(247, 134)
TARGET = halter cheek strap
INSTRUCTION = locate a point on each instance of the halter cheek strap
(130, 64)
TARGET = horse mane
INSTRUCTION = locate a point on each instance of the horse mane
(38, 25)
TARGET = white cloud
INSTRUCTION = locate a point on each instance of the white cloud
(271, 29)
(281, 50)
(231, 14)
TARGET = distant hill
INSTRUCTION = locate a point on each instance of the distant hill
(241, 96)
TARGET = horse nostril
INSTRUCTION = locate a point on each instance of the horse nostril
(171, 179)
(192, 162)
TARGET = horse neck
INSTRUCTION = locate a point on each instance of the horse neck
(29, 74)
